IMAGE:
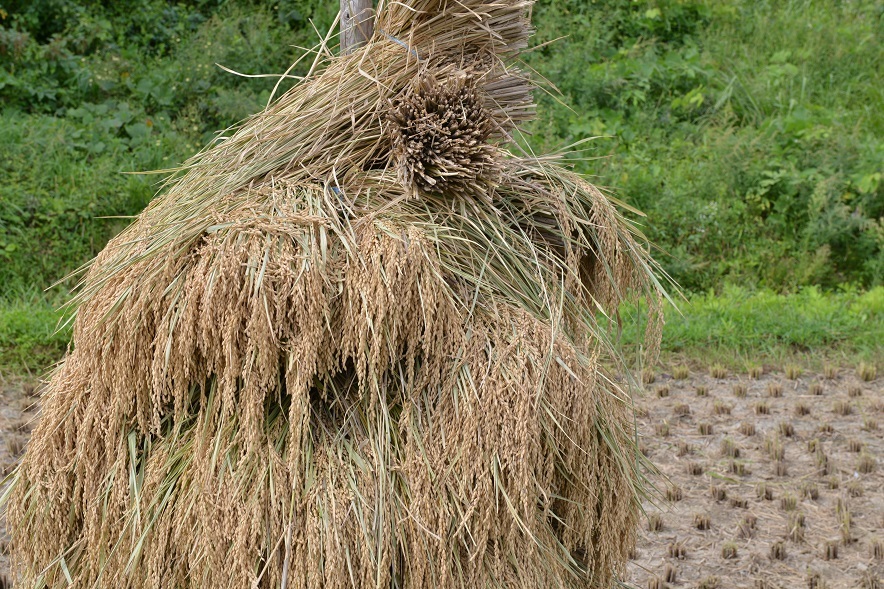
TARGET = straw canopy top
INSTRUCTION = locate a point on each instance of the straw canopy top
(356, 342)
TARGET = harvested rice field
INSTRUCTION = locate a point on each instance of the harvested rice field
(784, 477)
(771, 482)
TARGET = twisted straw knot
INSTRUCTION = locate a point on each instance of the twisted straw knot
(440, 128)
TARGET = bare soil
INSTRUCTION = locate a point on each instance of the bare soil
(824, 448)
(807, 460)
(18, 410)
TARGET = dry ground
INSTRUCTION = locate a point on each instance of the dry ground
(18, 409)
(804, 461)
(779, 471)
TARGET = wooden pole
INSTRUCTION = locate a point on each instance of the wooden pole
(357, 24)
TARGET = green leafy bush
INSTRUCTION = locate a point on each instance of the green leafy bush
(91, 91)
(750, 133)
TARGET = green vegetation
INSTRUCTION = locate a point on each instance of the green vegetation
(30, 338)
(738, 326)
(751, 133)
(91, 91)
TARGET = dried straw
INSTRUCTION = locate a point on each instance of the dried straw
(353, 344)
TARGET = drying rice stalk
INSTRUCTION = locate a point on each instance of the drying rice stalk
(354, 343)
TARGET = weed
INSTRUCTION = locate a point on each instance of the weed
(796, 527)
(844, 526)
(677, 550)
(729, 551)
(739, 468)
(674, 493)
(747, 525)
(15, 446)
(788, 502)
(729, 449)
(702, 521)
(810, 491)
(721, 408)
(681, 410)
(876, 547)
(710, 582)
(866, 464)
(870, 580)
(739, 503)
(867, 372)
(774, 447)
(830, 550)
(822, 462)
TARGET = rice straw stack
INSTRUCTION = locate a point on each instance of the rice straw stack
(357, 342)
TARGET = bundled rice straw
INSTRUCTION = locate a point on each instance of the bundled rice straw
(356, 343)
